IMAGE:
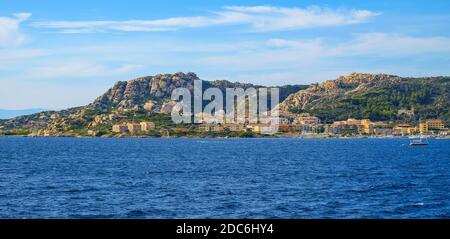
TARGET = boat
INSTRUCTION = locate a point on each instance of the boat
(422, 141)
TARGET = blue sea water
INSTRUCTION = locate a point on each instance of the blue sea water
(223, 178)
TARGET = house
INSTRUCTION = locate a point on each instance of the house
(120, 128)
(117, 117)
(146, 126)
(409, 113)
(134, 128)
(309, 120)
(259, 128)
(98, 119)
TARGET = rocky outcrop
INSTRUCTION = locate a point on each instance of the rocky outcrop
(37, 121)
(145, 91)
(152, 92)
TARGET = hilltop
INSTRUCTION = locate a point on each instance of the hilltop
(378, 97)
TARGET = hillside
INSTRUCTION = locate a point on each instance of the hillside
(153, 92)
(374, 96)
(378, 97)
(141, 98)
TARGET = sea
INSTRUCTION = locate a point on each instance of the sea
(223, 178)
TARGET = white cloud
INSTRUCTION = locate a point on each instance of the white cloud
(370, 44)
(389, 45)
(267, 18)
(10, 29)
(11, 58)
(312, 57)
(74, 70)
(258, 18)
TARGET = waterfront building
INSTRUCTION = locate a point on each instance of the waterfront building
(307, 120)
(308, 128)
(287, 128)
(348, 126)
(366, 126)
(383, 131)
(405, 129)
(256, 128)
(435, 125)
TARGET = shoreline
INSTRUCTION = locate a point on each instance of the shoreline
(256, 137)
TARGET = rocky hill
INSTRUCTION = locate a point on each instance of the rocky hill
(150, 94)
(153, 92)
(373, 96)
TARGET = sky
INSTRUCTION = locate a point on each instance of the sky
(60, 54)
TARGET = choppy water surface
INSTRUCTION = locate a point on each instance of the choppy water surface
(223, 178)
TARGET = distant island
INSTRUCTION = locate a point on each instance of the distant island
(354, 105)
(9, 114)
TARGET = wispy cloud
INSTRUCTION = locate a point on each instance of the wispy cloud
(393, 45)
(375, 44)
(257, 18)
(307, 60)
(268, 18)
(10, 29)
(76, 70)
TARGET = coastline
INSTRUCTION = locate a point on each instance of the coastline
(284, 136)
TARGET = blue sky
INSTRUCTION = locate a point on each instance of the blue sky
(55, 54)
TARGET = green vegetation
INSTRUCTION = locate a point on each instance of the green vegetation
(246, 134)
(429, 97)
(19, 132)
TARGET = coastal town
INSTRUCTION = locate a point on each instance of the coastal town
(357, 105)
(294, 125)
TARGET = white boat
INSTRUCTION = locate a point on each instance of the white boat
(422, 141)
